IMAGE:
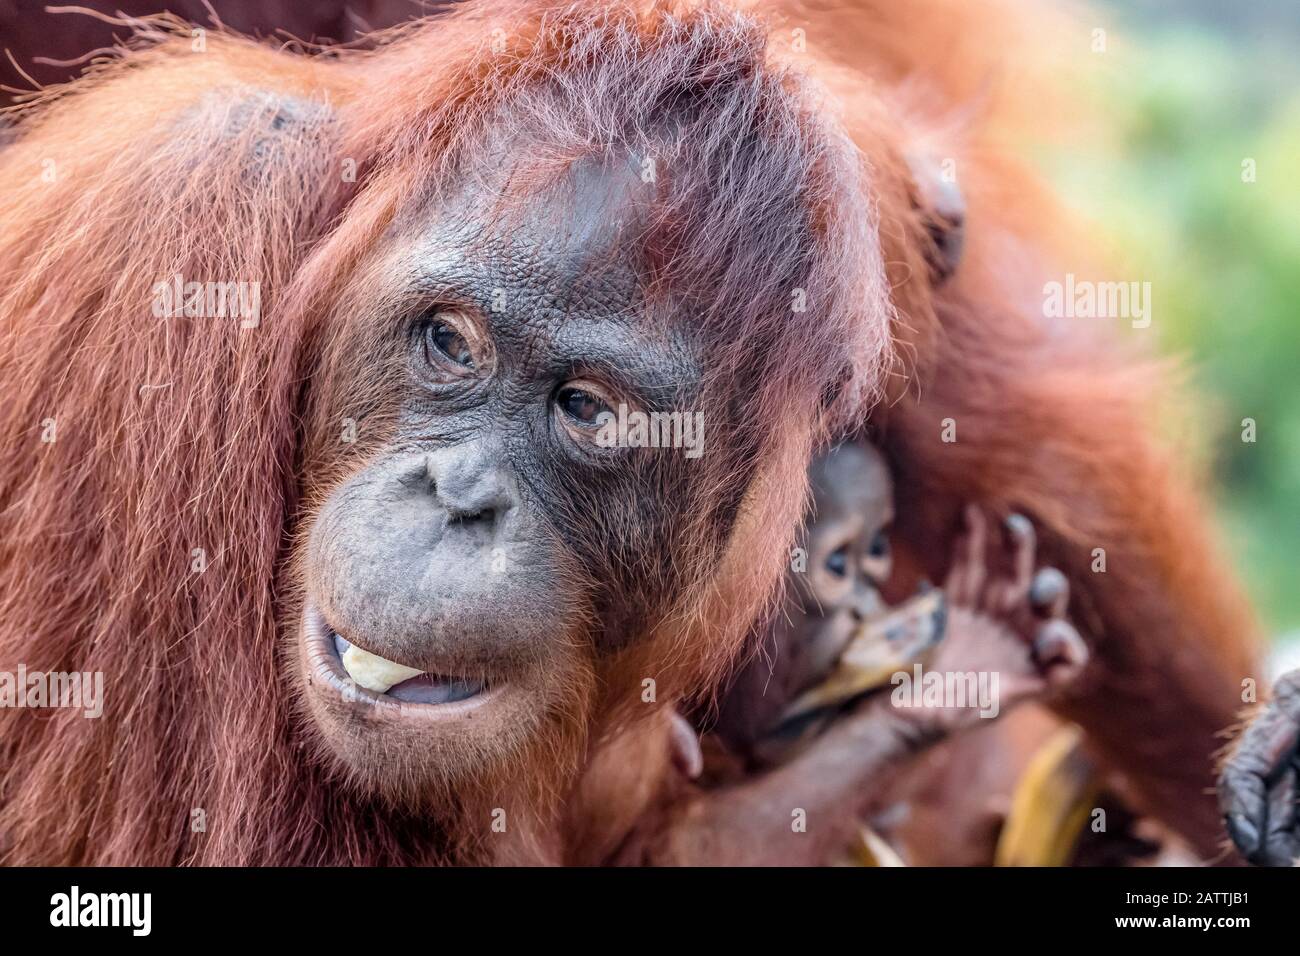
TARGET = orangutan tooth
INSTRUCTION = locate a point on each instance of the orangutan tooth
(374, 672)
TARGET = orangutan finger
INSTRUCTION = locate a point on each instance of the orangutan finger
(685, 747)
(1060, 653)
(1010, 596)
(1281, 835)
(966, 579)
(1049, 593)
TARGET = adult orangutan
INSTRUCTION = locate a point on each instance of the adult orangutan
(304, 360)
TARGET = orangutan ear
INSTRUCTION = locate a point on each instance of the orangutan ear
(942, 208)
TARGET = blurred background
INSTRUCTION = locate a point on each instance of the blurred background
(1195, 88)
(1188, 91)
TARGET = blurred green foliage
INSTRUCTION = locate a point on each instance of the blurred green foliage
(1223, 256)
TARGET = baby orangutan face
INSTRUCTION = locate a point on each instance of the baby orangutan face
(995, 614)
(842, 560)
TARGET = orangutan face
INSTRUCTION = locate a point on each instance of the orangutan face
(452, 577)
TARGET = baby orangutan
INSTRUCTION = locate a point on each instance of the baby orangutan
(807, 731)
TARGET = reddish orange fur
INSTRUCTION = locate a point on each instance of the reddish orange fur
(94, 527)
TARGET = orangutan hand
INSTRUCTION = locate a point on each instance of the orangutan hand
(1258, 791)
(1006, 637)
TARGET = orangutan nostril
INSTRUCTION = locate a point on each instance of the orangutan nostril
(482, 516)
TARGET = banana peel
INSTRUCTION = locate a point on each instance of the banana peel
(1048, 812)
(881, 648)
(1051, 804)
(878, 650)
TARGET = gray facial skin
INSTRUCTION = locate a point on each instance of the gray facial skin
(488, 461)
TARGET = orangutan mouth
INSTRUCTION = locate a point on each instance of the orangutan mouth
(383, 687)
(399, 681)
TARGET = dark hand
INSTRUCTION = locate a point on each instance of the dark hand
(1257, 789)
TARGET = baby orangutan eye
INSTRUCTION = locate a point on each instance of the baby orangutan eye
(879, 547)
(877, 562)
(837, 562)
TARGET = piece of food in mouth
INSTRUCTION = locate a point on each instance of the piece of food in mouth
(374, 672)
(880, 648)
(401, 682)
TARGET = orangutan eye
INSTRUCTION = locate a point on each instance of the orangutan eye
(879, 547)
(837, 562)
(580, 404)
(443, 339)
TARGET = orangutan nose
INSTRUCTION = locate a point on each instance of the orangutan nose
(470, 484)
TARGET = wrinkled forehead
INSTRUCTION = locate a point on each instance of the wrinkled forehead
(550, 250)
(570, 225)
